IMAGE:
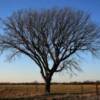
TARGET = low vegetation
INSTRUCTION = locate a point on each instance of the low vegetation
(32, 91)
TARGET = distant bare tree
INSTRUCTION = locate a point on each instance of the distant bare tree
(51, 38)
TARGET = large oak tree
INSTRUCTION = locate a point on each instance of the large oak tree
(51, 38)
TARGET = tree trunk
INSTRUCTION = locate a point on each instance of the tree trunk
(47, 85)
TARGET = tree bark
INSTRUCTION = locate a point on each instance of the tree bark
(48, 85)
(47, 88)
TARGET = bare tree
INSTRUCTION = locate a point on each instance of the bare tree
(51, 38)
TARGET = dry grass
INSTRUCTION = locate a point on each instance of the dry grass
(13, 91)
(20, 90)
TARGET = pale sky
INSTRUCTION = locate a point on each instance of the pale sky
(24, 69)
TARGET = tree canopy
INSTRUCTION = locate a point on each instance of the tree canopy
(52, 35)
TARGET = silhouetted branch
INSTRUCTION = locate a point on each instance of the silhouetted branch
(54, 35)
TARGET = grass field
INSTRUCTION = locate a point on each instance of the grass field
(29, 90)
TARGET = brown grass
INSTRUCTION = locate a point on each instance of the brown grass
(9, 91)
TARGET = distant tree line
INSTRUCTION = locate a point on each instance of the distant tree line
(53, 83)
